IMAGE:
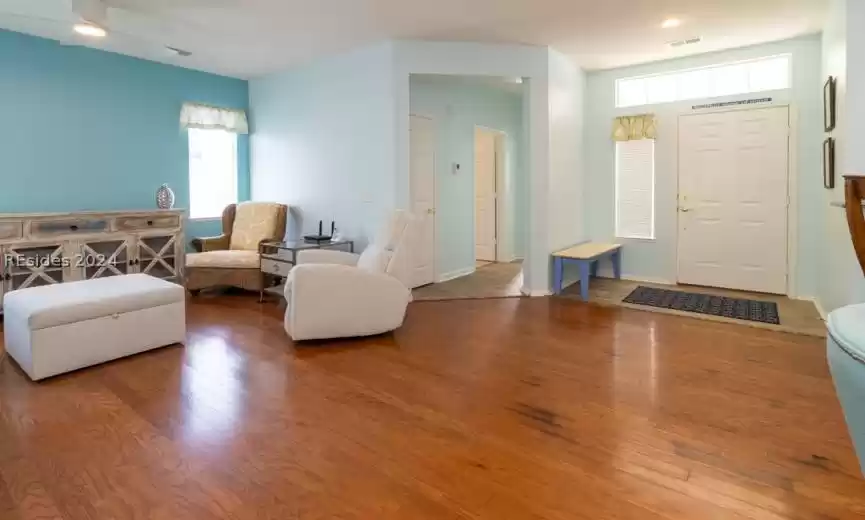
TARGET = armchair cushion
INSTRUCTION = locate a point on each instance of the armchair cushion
(224, 259)
(254, 222)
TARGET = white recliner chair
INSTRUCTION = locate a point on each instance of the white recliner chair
(334, 294)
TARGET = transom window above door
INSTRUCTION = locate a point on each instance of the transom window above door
(728, 79)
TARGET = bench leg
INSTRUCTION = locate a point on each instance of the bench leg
(584, 280)
(558, 274)
(595, 268)
(617, 264)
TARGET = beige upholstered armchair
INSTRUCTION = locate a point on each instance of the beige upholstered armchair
(231, 259)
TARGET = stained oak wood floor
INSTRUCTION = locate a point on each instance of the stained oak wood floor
(498, 409)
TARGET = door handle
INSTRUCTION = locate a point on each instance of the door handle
(431, 211)
(685, 210)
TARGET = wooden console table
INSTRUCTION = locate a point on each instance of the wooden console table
(49, 248)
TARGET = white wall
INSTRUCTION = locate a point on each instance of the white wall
(331, 137)
(417, 57)
(549, 75)
(323, 141)
(457, 106)
(656, 259)
(566, 184)
(841, 281)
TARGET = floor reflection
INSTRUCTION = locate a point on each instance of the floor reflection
(213, 389)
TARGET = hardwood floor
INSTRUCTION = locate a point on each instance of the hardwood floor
(501, 409)
(492, 280)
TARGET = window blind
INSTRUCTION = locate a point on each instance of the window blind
(635, 189)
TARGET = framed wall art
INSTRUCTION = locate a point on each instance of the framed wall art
(829, 163)
(829, 104)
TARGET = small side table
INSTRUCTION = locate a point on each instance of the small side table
(277, 258)
(586, 256)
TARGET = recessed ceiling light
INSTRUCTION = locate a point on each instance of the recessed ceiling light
(671, 23)
(88, 29)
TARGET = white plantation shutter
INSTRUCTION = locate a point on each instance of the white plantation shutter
(635, 189)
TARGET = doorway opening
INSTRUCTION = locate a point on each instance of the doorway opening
(468, 185)
(490, 209)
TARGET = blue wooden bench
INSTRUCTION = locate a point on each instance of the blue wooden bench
(586, 256)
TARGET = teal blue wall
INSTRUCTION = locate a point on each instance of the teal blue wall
(458, 106)
(85, 129)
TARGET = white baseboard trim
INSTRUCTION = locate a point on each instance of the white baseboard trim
(535, 294)
(630, 278)
(816, 303)
(459, 273)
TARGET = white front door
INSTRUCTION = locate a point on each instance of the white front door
(422, 185)
(485, 195)
(733, 169)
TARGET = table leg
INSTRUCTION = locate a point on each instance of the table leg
(595, 268)
(617, 264)
(262, 279)
(260, 275)
(558, 273)
(584, 279)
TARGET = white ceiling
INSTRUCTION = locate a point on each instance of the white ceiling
(247, 38)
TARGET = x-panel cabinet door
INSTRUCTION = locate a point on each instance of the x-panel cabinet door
(157, 255)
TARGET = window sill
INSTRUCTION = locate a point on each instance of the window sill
(637, 239)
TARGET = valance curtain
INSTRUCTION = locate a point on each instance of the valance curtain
(195, 115)
(632, 128)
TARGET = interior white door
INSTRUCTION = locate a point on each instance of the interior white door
(422, 186)
(733, 199)
(485, 195)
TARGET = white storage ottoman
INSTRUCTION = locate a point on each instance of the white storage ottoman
(54, 329)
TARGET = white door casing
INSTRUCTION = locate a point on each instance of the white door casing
(423, 200)
(733, 199)
(485, 195)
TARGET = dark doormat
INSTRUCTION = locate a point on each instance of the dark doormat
(735, 308)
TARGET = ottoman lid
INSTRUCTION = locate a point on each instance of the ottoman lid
(53, 305)
(847, 328)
